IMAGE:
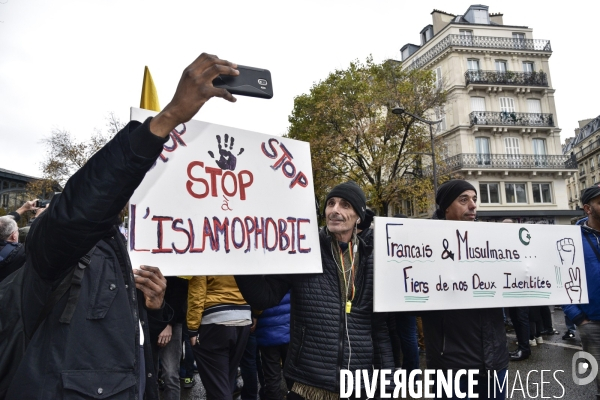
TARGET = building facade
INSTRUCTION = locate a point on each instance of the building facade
(12, 189)
(499, 130)
(584, 150)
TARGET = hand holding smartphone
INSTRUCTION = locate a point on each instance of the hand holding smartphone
(253, 82)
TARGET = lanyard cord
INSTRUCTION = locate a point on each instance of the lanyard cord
(352, 272)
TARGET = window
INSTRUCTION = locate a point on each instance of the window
(582, 170)
(592, 167)
(539, 147)
(473, 70)
(512, 145)
(482, 149)
(466, 37)
(480, 16)
(520, 39)
(478, 108)
(515, 192)
(438, 78)
(440, 114)
(489, 193)
(501, 66)
(477, 104)
(426, 35)
(534, 106)
(542, 193)
(507, 104)
(507, 111)
(473, 64)
(405, 53)
(539, 151)
(527, 66)
(512, 150)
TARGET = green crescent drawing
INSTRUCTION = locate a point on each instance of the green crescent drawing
(528, 236)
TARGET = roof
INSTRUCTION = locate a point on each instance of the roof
(442, 12)
(592, 127)
(5, 173)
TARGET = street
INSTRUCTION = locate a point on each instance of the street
(553, 356)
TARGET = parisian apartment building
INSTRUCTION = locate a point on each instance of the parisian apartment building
(499, 128)
(584, 150)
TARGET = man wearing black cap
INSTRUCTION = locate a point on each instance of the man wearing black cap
(465, 339)
(587, 316)
(333, 326)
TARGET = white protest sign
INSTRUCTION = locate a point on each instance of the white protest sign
(439, 265)
(225, 201)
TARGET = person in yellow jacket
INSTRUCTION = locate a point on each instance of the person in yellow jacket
(219, 321)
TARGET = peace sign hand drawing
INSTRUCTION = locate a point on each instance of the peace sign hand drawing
(566, 250)
(574, 285)
(227, 160)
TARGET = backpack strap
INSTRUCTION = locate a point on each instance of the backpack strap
(75, 275)
(76, 280)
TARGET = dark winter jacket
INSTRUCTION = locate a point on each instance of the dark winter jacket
(471, 339)
(465, 339)
(273, 326)
(96, 355)
(579, 312)
(16, 258)
(13, 261)
(318, 345)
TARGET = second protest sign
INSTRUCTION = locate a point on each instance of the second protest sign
(439, 265)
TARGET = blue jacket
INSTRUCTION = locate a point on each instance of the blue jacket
(273, 327)
(579, 312)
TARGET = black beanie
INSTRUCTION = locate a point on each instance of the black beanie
(353, 194)
(448, 192)
(589, 194)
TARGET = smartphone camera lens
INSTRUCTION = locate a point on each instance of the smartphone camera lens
(262, 82)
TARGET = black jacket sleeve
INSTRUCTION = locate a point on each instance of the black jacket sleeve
(176, 297)
(78, 218)
(263, 291)
(383, 357)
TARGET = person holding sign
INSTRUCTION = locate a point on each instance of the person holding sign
(472, 338)
(333, 326)
(95, 342)
(586, 316)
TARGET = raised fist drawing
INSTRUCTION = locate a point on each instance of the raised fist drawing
(566, 250)
(227, 159)
(573, 287)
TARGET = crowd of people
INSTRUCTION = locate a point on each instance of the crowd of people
(96, 326)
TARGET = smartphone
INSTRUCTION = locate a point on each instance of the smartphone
(253, 82)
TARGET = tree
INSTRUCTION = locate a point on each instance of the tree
(354, 136)
(65, 155)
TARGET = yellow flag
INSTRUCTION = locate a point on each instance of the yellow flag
(149, 99)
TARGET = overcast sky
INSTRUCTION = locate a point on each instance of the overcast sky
(67, 64)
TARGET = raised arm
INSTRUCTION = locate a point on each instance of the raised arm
(87, 208)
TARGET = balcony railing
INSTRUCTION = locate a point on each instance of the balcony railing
(507, 78)
(588, 149)
(487, 42)
(510, 118)
(506, 161)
